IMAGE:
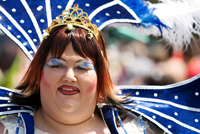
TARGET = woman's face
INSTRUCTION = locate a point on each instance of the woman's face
(68, 87)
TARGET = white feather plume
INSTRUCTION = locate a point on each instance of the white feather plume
(182, 16)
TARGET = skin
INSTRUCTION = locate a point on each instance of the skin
(67, 110)
(74, 113)
(67, 74)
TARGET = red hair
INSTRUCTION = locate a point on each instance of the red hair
(59, 38)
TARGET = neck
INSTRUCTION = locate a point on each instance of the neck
(45, 123)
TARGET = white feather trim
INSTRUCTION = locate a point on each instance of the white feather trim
(182, 16)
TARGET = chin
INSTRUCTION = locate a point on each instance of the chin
(69, 108)
(68, 104)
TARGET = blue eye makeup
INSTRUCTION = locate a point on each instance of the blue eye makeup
(85, 65)
(55, 63)
(82, 64)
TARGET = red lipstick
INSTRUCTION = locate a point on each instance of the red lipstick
(68, 90)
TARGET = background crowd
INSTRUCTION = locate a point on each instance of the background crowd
(142, 60)
(134, 60)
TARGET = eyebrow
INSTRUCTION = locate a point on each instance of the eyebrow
(81, 60)
(57, 59)
(62, 59)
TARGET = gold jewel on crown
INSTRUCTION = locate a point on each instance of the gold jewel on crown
(74, 17)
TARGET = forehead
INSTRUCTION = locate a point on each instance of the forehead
(68, 53)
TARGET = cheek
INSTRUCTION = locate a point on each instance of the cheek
(44, 82)
(92, 86)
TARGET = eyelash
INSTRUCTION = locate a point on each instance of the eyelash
(57, 66)
(62, 66)
(82, 68)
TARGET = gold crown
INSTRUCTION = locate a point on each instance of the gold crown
(74, 17)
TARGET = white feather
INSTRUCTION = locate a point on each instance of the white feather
(182, 16)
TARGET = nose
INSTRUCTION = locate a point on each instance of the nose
(70, 75)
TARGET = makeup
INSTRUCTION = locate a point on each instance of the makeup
(55, 63)
(45, 82)
(68, 90)
(84, 64)
(92, 86)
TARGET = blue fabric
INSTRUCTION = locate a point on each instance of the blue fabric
(29, 121)
(109, 118)
(24, 21)
(174, 108)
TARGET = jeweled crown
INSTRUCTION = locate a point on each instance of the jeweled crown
(74, 17)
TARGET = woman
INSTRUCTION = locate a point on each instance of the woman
(66, 80)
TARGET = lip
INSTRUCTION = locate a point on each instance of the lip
(68, 90)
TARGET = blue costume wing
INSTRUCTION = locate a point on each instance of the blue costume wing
(25, 20)
(174, 108)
